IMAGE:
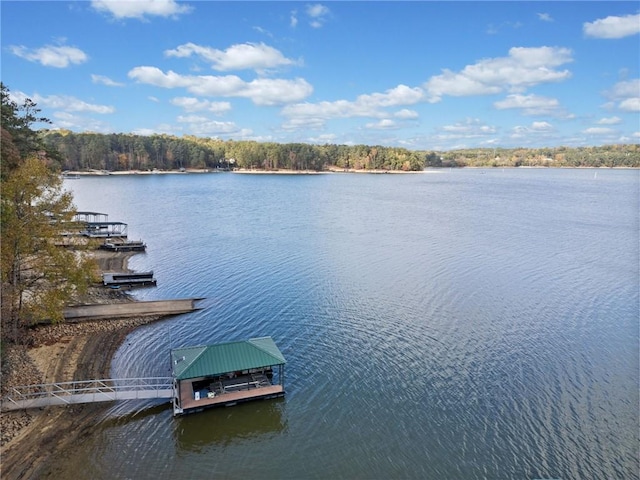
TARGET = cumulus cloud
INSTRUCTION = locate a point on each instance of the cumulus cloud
(609, 121)
(406, 114)
(468, 129)
(261, 91)
(318, 15)
(140, 9)
(523, 68)
(80, 123)
(256, 56)
(101, 79)
(630, 105)
(384, 124)
(213, 127)
(68, 104)
(598, 131)
(367, 105)
(545, 17)
(51, 55)
(190, 104)
(613, 27)
(530, 104)
(541, 126)
(625, 95)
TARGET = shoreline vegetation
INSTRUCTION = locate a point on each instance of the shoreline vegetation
(31, 441)
(130, 152)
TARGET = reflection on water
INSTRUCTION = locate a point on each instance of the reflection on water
(222, 426)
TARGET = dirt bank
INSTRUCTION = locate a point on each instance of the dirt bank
(31, 441)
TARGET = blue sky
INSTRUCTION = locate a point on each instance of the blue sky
(421, 75)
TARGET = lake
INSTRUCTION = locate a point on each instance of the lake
(461, 324)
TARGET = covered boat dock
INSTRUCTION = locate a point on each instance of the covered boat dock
(226, 373)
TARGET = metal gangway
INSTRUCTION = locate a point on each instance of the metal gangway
(87, 391)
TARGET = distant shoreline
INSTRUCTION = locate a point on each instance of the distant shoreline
(103, 173)
(70, 174)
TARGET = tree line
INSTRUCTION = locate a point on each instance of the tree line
(117, 152)
(121, 152)
(598, 156)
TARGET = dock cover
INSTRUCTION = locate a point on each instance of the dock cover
(204, 361)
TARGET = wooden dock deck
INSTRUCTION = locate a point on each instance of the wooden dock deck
(242, 389)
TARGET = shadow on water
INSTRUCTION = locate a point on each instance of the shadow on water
(225, 426)
(215, 426)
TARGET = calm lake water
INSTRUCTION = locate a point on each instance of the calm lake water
(464, 324)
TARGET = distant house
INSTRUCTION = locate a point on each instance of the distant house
(226, 373)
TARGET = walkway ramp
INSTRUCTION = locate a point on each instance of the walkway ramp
(130, 309)
(87, 391)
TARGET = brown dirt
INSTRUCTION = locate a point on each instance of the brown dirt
(31, 441)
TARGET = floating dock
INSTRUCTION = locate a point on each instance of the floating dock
(203, 377)
(128, 280)
(226, 373)
(124, 246)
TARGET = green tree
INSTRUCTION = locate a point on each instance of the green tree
(38, 276)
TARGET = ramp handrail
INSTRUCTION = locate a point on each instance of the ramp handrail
(62, 389)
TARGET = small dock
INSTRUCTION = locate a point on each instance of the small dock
(226, 374)
(124, 246)
(128, 280)
(205, 376)
(229, 392)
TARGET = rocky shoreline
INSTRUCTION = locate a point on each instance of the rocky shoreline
(30, 441)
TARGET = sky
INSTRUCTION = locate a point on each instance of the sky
(421, 75)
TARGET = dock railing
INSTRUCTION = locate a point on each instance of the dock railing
(87, 391)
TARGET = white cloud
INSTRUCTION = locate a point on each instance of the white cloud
(598, 131)
(470, 128)
(51, 55)
(191, 104)
(324, 138)
(303, 123)
(384, 124)
(192, 119)
(541, 126)
(75, 122)
(68, 104)
(101, 79)
(261, 91)
(367, 105)
(626, 95)
(293, 20)
(613, 27)
(523, 68)
(609, 121)
(406, 114)
(630, 105)
(140, 8)
(530, 104)
(318, 14)
(545, 17)
(236, 57)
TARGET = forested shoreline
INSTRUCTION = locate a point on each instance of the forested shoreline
(122, 152)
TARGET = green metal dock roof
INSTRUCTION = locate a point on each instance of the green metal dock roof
(203, 361)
